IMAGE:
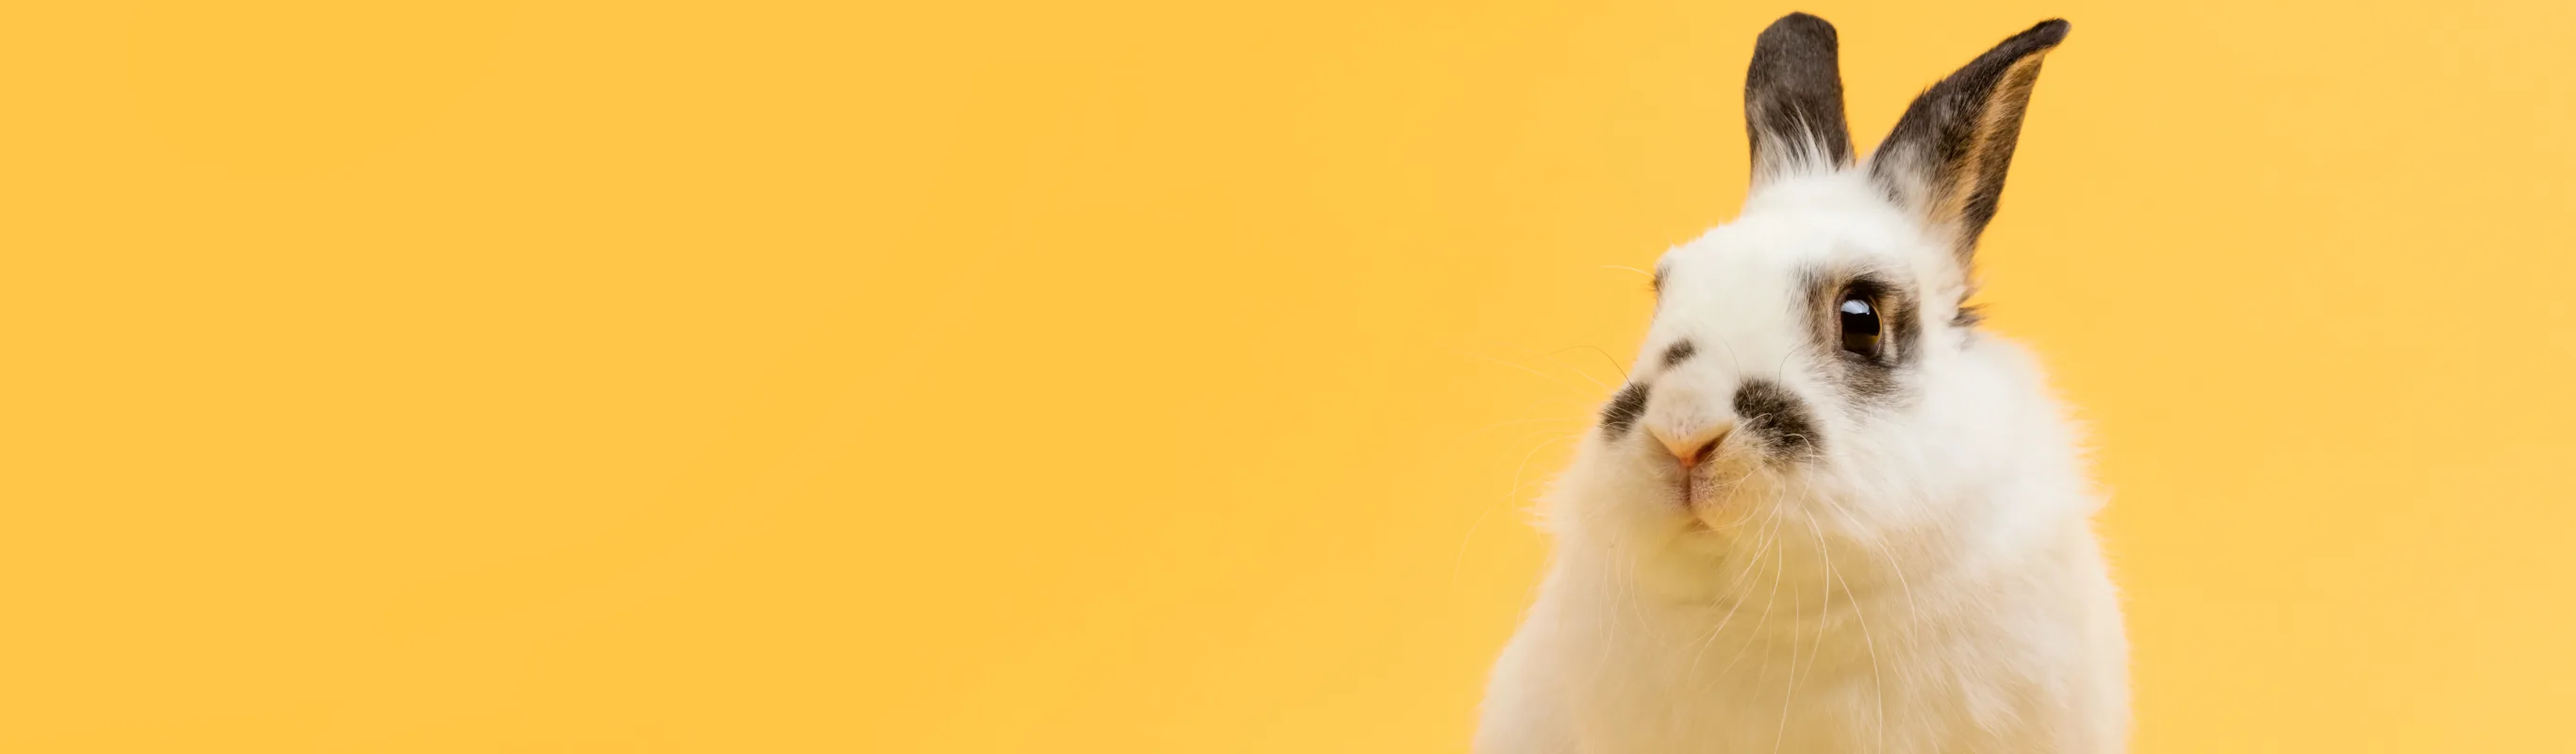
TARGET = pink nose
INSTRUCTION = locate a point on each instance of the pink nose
(1690, 448)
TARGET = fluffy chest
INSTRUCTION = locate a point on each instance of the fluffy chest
(1797, 669)
(1786, 673)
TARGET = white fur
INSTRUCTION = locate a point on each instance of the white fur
(1930, 583)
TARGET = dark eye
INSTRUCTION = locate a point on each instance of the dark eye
(1859, 325)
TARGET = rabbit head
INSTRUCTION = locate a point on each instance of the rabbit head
(1818, 356)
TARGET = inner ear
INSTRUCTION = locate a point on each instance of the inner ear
(1793, 100)
(1947, 157)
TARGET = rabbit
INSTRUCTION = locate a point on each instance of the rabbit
(1828, 513)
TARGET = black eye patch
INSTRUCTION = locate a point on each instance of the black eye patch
(1868, 364)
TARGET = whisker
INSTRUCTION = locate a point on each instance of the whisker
(1541, 375)
(1605, 356)
(1913, 615)
(1877, 682)
(1825, 608)
(1777, 567)
(1732, 360)
(1789, 697)
(1461, 560)
(1510, 422)
(1738, 601)
(1522, 416)
(1578, 371)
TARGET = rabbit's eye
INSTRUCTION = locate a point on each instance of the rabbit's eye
(1859, 325)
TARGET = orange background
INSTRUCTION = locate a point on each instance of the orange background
(561, 376)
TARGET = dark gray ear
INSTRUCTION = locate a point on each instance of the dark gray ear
(1947, 158)
(1793, 100)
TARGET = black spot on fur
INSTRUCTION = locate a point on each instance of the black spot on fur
(1777, 418)
(1658, 287)
(1680, 352)
(1947, 157)
(1793, 97)
(1623, 410)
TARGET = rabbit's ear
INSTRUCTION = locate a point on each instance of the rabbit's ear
(1947, 157)
(1793, 100)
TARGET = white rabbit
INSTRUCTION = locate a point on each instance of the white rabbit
(1829, 514)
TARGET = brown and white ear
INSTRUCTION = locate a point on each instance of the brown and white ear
(1947, 158)
(1793, 100)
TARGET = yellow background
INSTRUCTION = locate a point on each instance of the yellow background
(554, 376)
